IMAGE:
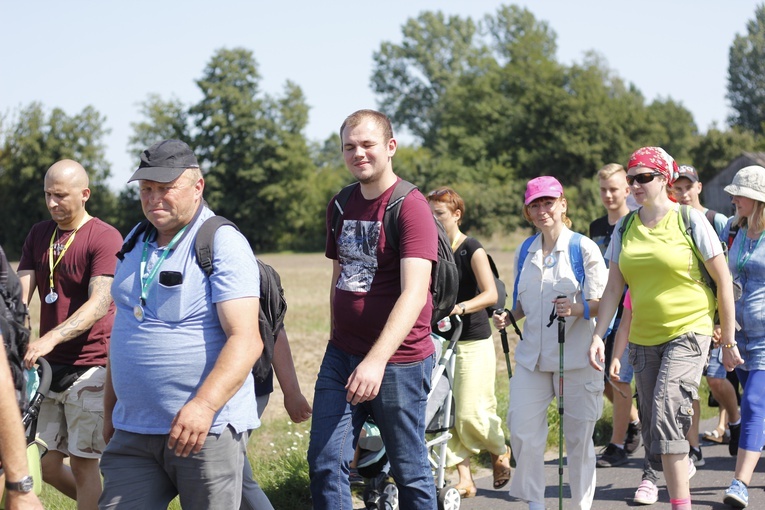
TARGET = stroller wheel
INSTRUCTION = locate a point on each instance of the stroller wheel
(449, 498)
(389, 498)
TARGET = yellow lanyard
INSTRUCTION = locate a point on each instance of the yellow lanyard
(51, 264)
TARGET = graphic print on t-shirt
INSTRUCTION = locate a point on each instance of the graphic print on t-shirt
(357, 251)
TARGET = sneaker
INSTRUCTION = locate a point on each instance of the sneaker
(696, 456)
(735, 434)
(612, 456)
(647, 493)
(691, 468)
(632, 439)
(736, 495)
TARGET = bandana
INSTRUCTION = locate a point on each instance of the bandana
(657, 159)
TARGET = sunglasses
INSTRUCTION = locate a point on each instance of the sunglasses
(439, 192)
(643, 178)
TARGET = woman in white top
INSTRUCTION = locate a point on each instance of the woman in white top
(547, 288)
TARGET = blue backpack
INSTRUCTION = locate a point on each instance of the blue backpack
(574, 255)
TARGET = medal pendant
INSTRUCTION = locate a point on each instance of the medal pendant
(138, 313)
(51, 297)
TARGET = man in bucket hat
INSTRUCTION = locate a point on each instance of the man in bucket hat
(180, 395)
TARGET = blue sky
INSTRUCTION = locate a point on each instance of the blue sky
(112, 54)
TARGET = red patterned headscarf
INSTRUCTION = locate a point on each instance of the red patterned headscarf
(657, 159)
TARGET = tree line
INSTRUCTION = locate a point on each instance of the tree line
(486, 102)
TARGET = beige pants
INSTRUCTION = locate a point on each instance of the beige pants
(530, 394)
(477, 426)
(72, 421)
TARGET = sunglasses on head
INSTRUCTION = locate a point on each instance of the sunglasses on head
(438, 193)
(643, 178)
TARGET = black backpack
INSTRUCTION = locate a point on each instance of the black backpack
(445, 279)
(273, 306)
(14, 325)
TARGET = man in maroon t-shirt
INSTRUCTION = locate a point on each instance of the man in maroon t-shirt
(380, 355)
(70, 260)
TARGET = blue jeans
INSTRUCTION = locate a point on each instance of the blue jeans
(398, 411)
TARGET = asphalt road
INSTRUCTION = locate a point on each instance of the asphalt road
(616, 486)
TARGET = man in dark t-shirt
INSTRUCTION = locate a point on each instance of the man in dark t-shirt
(70, 260)
(380, 356)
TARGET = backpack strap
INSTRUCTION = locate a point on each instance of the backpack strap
(393, 211)
(627, 223)
(203, 243)
(577, 264)
(337, 212)
(710, 214)
(521, 259)
(732, 231)
(129, 243)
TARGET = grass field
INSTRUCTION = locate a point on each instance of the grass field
(277, 449)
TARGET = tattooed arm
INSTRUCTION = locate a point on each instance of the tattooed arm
(99, 299)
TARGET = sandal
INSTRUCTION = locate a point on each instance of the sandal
(715, 436)
(501, 466)
(468, 491)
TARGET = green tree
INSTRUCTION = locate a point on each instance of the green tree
(162, 120)
(411, 77)
(253, 151)
(32, 140)
(746, 75)
(715, 150)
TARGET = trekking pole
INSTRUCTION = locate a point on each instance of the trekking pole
(561, 341)
(503, 338)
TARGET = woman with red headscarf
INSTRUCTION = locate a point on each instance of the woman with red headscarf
(674, 309)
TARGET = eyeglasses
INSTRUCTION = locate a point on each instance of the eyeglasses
(643, 178)
(439, 192)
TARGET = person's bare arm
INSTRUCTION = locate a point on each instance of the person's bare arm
(13, 447)
(609, 302)
(620, 343)
(97, 305)
(110, 400)
(487, 296)
(718, 270)
(28, 285)
(295, 403)
(239, 320)
(333, 285)
(364, 382)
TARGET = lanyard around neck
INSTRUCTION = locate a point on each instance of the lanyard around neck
(146, 280)
(52, 265)
(739, 262)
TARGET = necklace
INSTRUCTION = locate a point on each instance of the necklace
(456, 241)
(751, 245)
(56, 247)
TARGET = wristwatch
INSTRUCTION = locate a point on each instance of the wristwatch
(26, 484)
(462, 307)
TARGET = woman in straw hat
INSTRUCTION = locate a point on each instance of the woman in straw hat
(746, 261)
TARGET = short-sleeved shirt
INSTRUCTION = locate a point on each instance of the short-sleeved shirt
(158, 364)
(370, 278)
(539, 285)
(669, 297)
(92, 253)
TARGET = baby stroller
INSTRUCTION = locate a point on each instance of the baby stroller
(38, 384)
(381, 493)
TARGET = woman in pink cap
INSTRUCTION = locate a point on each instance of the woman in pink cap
(675, 311)
(548, 287)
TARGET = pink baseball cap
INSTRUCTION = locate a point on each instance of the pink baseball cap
(545, 186)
